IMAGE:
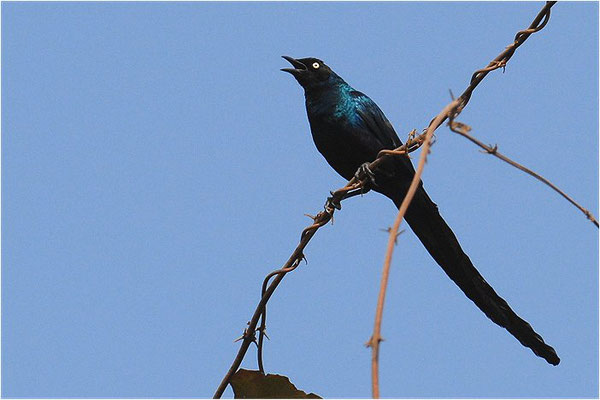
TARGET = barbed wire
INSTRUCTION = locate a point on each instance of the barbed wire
(359, 185)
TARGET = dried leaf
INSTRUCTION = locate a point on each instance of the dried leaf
(248, 384)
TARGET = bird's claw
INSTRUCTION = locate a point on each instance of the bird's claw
(365, 172)
(333, 202)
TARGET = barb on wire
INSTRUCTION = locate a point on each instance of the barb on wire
(352, 188)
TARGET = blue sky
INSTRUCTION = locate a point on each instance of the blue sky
(156, 165)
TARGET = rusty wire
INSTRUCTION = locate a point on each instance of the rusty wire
(500, 61)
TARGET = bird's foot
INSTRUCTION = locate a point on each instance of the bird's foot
(333, 203)
(365, 173)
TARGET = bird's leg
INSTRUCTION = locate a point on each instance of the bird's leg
(365, 172)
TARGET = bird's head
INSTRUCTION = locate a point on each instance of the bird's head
(311, 73)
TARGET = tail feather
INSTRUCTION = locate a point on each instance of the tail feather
(439, 240)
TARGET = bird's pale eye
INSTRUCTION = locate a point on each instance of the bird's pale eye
(316, 65)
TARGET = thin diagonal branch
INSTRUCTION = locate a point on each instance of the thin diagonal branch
(463, 130)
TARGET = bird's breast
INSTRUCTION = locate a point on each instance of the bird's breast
(339, 141)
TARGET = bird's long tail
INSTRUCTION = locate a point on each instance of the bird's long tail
(439, 240)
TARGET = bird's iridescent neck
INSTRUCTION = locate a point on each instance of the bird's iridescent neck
(332, 93)
(335, 101)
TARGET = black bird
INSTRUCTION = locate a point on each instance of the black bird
(349, 129)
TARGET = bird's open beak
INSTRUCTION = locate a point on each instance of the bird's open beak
(298, 66)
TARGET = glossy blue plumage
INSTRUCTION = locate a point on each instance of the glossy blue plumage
(348, 128)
